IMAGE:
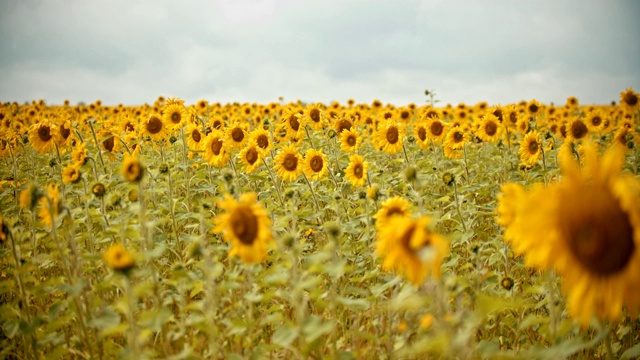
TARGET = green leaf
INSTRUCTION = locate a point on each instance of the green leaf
(631, 353)
(285, 335)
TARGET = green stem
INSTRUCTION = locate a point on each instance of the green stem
(275, 183)
(315, 199)
(455, 193)
(95, 140)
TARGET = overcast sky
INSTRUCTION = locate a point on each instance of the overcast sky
(131, 52)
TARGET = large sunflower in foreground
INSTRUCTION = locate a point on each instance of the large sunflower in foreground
(587, 228)
(410, 248)
(246, 225)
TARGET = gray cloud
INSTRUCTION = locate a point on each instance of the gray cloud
(257, 50)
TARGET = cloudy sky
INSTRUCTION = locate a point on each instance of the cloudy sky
(131, 52)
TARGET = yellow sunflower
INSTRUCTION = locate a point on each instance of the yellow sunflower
(595, 121)
(155, 128)
(215, 149)
(315, 164)
(246, 225)
(356, 171)
(420, 131)
(236, 135)
(50, 205)
(629, 99)
(410, 248)
(251, 157)
(389, 137)
(395, 206)
(489, 129)
(577, 129)
(71, 174)
(314, 116)
(292, 121)
(174, 115)
(350, 140)
(195, 137)
(530, 149)
(79, 154)
(42, 136)
(288, 163)
(119, 258)
(261, 138)
(132, 169)
(455, 139)
(587, 228)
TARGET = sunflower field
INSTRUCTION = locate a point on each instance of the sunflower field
(312, 231)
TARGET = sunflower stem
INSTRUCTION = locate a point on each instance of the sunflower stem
(306, 129)
(187, 171)
(404, 151)
(315, 199)
(275, 182)
(133, 329)
(544, 165)
(455, 194)
(125, 144)
(95, 140)
(466, 166)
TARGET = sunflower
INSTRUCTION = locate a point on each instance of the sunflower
(155, 128)
(236, 135)
(533, 107)
(174, 115)
(436, 129)
(489, 129)
(261, 138)
(350, 140)
(42, 136)
(315, 164)
(195, 137)
(293, 123)
(118, 258)
(132, 169)
(50, 205)
(71, 174)
(251, 156)
(410, 248)
(389, 137)
(288, 163)
(530, 149)
(625, 136)
(356, 171)
(109, 141)
(595, 121)
(629, 99)
(314, 116)
(246, 225)
(4, 230)
(215, 149)
(395, 206)
(577, 129)
(587, 228)
(79, 154)
(456, 138)
(29, 197)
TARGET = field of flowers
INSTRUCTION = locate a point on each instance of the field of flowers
(340, 231)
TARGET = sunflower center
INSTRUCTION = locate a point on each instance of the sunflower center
(217, 124)
(404, 115)
(358, 171)
(533, 147)
(351, 140)
(578, 129)
(109, 144)
(596, 120)
(344, 124)
(262, 141)
(244, 225)
(294, 123)
(491, 128)
(513, 117)
(196, 136)
(290, 162)
(316, 163)
(533, 108)
(44, 133)
(392, 135)
(600, 237)
(251, 156)
(154, 125)
(128, 127)
(405, 240)
(65, 132)
(630, 98)
(175, 118)
(237, 134)
(394, 211)
(436, 128)
(216, 146)
(457, 137)
(422, 134)
(314, 114)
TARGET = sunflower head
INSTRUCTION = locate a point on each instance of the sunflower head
(29, 197)
(119, 258)
(630, 99)
(315, 164)
(71, 174)
(288, 163)
(356, 171)
(132, 169)
(350, 140)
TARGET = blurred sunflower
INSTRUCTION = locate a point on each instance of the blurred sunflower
(195, 137)
(456, 138)
(288, 163)
(436, 129)
(577, 129)
(314, 116)
(215, 149)
(410, 248)
(132, 169)
(71, 174)
(79, 154)
(155, 128)
(395, 206)
(629, 99)
(420, 131)
(530, 149)
(587, 228)
(292, 122)
(246, 225)
(533, 107)
(42, 136)
(595, 121)
(350, 140)
(236, 135)
(50, 205)
(251, 157)
(315, 164)
(356, 171)
(118, 258)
